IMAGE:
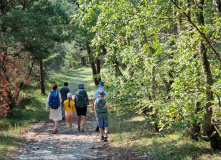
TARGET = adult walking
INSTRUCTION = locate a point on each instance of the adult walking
(54, 101)
(81, 102)
(96, 95)
(64, 91)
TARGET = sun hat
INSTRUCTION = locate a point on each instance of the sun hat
(81, 86)
(101, 93)
(69, 95)
(101, 84)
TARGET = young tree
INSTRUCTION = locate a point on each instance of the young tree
(15, 71)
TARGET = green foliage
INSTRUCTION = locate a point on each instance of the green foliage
(158, 50)
(39, 27)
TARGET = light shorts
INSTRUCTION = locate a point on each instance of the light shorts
(102, 122)
(69, 115)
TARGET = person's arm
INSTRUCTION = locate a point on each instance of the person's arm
(105, 94)
(64, 107)
(47, 103)
(87, 98)
(60, 100)
(74, 109)
(75, 98)
(93, 106)
(106, 105)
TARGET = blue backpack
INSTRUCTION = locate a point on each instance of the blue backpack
(54, 102)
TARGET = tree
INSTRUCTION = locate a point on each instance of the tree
(14, 72)
(41, 26)
(83, 21)
(30, 29)
(169, 53)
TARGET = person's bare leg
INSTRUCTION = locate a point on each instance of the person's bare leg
(79, 122)
(105, 130)
(101, 131)
(55, 126)
(83, 121)
(67, 121)
(70, 122)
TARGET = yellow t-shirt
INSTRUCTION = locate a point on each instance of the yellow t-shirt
(68, 109)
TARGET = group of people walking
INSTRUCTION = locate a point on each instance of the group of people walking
(64, 105)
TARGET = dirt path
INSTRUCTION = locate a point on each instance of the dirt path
(41, 144)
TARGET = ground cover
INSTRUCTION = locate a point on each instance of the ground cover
(130, 136)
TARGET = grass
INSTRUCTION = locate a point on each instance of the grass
(128, 132)
(32, 106)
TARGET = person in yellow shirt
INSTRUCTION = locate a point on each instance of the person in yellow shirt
(69, 110)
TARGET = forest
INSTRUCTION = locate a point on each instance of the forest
(159, 59)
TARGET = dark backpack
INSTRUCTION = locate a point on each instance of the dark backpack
(54, 102)
(81, 96)
(101, 111)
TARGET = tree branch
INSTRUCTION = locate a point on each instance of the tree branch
(200, 32)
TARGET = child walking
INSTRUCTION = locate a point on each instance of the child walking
(69, 110)
(101, 109)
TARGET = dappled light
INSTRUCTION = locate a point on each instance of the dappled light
(143, 76)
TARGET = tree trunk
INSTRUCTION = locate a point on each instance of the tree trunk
(104, 51)
(91, 59)
(195, 130)
(207, 126)
(98, 69)
(117, 69)
(42, 77)
(3, 12)
(153, 85)
(22, 83)
(24, 4)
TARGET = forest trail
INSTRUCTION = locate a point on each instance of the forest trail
(41, 144)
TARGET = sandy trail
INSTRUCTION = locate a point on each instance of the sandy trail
(40, 143)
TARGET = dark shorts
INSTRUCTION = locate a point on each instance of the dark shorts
(81, 111)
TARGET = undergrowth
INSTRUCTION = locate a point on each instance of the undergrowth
(130, 131)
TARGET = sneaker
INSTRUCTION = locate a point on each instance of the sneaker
(105, 139)
(82, 130)
(55, 132)
(102, 138)
(79, 128)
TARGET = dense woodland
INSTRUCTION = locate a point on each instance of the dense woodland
(160, 58)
